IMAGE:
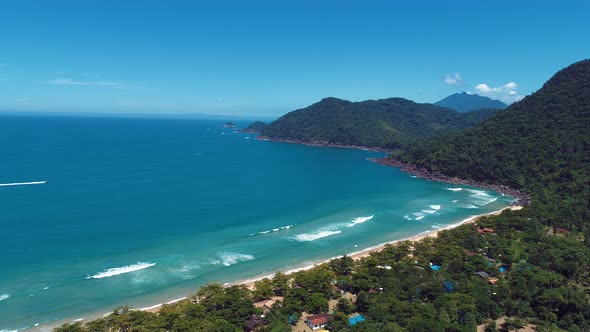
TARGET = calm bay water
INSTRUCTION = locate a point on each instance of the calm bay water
(100, 212)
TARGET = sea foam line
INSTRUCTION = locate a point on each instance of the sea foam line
(4, 297)
(22, 183)
(228, 258)
(360, 220)
(306, 237)
(121, 270)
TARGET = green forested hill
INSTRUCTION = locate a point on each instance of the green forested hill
(540, 145)
(385, 123)
(255, 127)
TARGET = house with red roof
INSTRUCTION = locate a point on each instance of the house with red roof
(317, 322)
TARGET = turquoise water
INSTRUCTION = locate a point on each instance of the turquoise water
(140, 211)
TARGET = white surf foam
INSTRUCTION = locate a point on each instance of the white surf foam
(187, 271)
(305, 237)
(121, 270)
(360, 220)
(435, 207)
(22, 183)
(407, 217)
(480, 197)
(419, 217)
(454, 189)
(228, 258)
(455, 200)
(4, 297)
(429, 211)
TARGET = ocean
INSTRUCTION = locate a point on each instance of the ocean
(99, 212)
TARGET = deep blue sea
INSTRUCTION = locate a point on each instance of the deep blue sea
(97, 212)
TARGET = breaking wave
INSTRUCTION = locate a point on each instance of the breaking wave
(480, 197)
(419, 217)
(314, 236)
(360, 220)
(121, 270)
(4, 297)
(227, 258)
(454, 189)
(187, 271)
(432, 209)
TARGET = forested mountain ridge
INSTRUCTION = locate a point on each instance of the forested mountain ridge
(540, 145)
(385, 123)
(465, 102)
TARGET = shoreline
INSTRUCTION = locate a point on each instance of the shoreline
(324, 144)
(357, 255)
(522, 199)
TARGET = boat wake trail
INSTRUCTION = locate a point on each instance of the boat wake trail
(22, 183)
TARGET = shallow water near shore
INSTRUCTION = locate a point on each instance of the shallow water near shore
(102, 212)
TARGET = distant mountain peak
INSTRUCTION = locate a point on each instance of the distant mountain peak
(465, 102)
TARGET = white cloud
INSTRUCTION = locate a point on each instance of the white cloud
(69, 81)
(483, 88)
(454, 79)
(506, 93)
(511, 85)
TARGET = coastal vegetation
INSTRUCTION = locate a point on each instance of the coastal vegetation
(527, 266)
(386, 123)
(255, 127)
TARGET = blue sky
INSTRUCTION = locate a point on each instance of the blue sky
(266, 58)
